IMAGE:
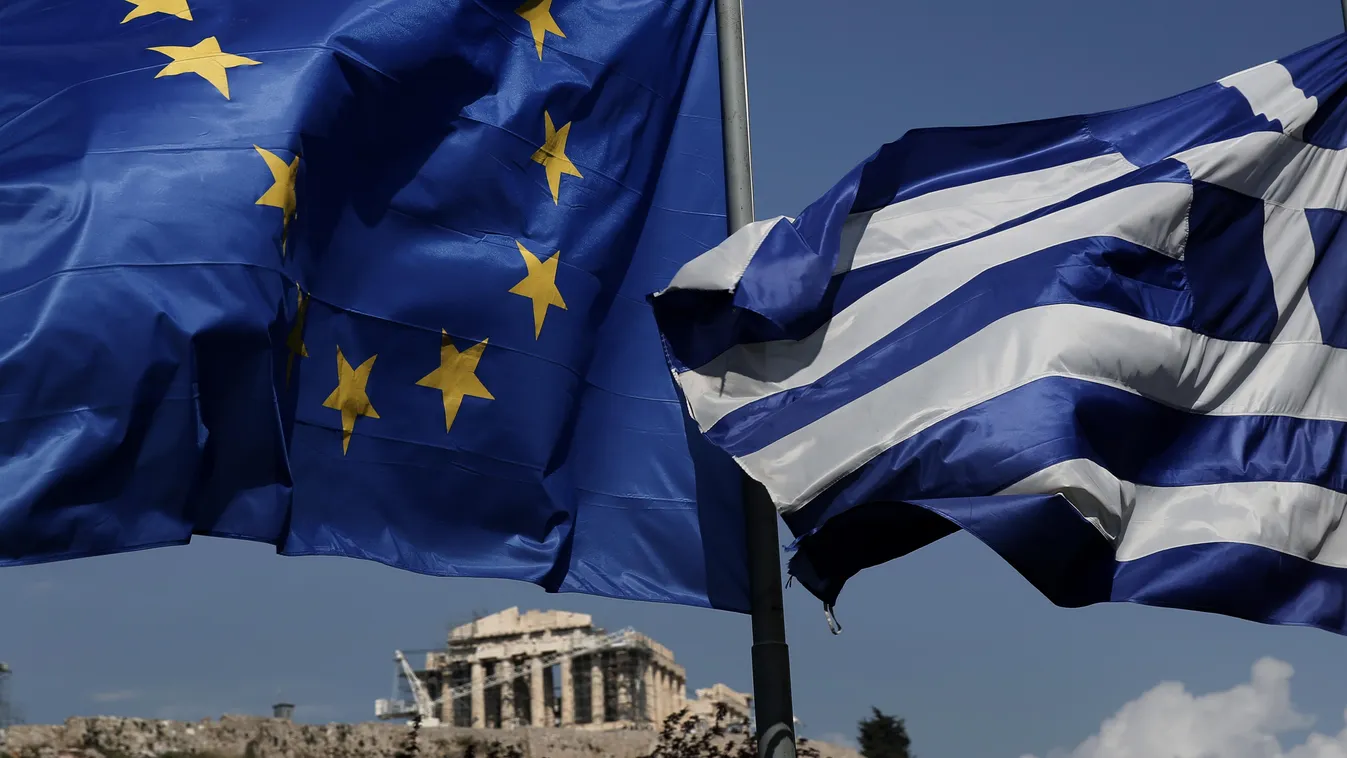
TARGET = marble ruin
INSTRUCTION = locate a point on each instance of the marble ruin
(552, 669)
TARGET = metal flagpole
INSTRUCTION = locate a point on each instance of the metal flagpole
(771, 657)
(1344, 23)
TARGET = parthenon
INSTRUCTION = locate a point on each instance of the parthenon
(552, 668)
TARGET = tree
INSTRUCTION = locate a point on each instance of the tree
(883, 736)
(411, 745)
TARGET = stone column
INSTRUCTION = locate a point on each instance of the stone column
(567, 692)
(664, 690)
(537, 706)
(622, 674)
(447, 704)
(549, 696)
(648, 709)
(596, 689)
(506, 668)
(478, 696)
(657, 698)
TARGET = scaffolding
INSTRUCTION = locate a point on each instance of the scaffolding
(442, 694)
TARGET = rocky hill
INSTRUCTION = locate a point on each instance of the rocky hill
(254, 737)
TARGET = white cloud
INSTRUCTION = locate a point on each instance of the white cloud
(114, 697)
(1242, 722)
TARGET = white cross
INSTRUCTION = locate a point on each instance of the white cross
(1290, 176)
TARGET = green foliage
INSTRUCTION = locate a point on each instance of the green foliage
(883, 736)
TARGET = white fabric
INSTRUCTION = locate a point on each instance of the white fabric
(1278, 169)
(1289, 249)
(1150, 215)
(1294, 518)
(1171, 365)
(1272, 94)
(721, 267)
(957, 213)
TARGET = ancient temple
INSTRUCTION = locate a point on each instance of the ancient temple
(553, 668)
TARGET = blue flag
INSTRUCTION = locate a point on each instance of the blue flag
(1113, 347)
(362, 279)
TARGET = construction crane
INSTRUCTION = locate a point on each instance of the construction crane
(421, 702)
(428, 708)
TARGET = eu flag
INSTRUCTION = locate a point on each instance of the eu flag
(361, 278)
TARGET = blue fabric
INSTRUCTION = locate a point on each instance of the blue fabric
(1243, 581)
(152, 275)
(786, 291)
(873, 495)
(924, 488)
(1314, 70)
(1226, 267)
(1330, 271)
(1136, 439)
(1144, 284)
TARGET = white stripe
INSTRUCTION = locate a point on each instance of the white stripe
(931, 220)
(957, 213)
(1275, 168)
(720, 268)
(1272, 93)
(1289, 248)
(1293, 518)
(1151, 215)
(1170, 365)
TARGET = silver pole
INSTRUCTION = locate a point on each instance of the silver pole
(772, 706)
(734, 113)
(1344, 21)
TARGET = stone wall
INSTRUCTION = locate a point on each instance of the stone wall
(254, 737)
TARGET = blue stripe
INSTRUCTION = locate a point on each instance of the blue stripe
(1149, 133)
(697, 326)
(791, 270)
(1319, 72)
(1243, 581)
(790, 274)
(1102, 272)
(929, 160)
(1057, 419)
(1227, 268)
(1330, 271)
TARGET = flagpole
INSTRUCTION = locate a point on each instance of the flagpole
(771, 656)
(1344, 20)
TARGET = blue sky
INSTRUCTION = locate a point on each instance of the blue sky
(949, 638)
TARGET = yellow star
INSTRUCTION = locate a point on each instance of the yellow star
(552, 155)
(539, 15)
(456, 378)
(281, 194)
(295, 340)
(540, 286)
(349, 397)
(171, 7)
(205, 59)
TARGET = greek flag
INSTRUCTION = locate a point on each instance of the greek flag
(1112, 347)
